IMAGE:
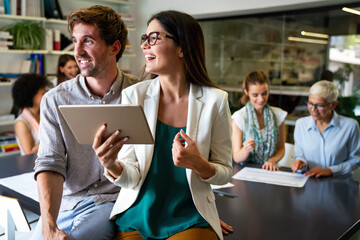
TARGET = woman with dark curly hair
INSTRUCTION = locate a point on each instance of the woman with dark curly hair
(27, 93)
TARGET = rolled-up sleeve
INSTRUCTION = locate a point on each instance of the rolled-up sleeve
(51, 153)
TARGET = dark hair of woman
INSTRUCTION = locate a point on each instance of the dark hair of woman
(25, 88)
(255, 77)
(189, 36)
(63, 59)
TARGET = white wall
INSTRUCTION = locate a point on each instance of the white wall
(216, 8)
(201, 9)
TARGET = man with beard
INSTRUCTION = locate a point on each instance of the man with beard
(75, 197)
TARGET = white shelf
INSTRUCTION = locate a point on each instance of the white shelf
(7, 123)
(23, 51)
(10, 153)
(19, 51)
(37, 19)
(57, 21)
(29, 18)
(2, 84)
(53, 52)
(16, 17)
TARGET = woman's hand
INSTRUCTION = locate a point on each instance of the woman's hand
(108, 150)
(270, 166)
(249, 145)
(297, 164)
(190, 157)
(225, 228)
(319, 172)
(185, 157)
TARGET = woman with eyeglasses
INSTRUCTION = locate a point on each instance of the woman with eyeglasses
(166, 192)
(258, 129)
(325, 143)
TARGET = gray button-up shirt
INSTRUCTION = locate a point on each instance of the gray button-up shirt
(60, 152)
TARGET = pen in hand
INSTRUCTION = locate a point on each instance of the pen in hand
(259, 140)
(297, 165)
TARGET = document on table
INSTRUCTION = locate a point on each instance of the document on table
(278, 178)
(222, 186)
(23, 183)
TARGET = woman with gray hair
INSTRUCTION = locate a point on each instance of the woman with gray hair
(325, 143)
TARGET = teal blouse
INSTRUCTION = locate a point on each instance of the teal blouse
(164, 205)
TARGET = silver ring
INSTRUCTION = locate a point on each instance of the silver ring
(110, 146)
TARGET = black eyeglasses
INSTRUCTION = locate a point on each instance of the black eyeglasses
(153, 37)
(319, 107)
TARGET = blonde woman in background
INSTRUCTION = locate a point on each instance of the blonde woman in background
(258, 129)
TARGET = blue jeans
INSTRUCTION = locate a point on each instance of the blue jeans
(86, 221)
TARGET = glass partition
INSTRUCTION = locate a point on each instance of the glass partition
(295, 49)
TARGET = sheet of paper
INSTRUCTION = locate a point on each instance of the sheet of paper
(23, 183)
(278, 178)
(222, 186)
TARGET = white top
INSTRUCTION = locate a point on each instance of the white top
(34, 134)
(240, 115)
(54, 81)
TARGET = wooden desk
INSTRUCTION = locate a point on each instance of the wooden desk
(322, 209)
(15, 165)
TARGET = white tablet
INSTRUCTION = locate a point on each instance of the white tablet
(85, 120)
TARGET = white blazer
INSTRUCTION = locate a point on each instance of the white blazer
(208, 124)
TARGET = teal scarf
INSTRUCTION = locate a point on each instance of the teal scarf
(263, 150)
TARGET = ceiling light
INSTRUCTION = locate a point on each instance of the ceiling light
(350, 10)
(307, 40)
(311, 34)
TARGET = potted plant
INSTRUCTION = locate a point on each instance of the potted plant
(342, 75)
(26, 35)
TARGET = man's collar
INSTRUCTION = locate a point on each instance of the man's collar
(115, 87)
